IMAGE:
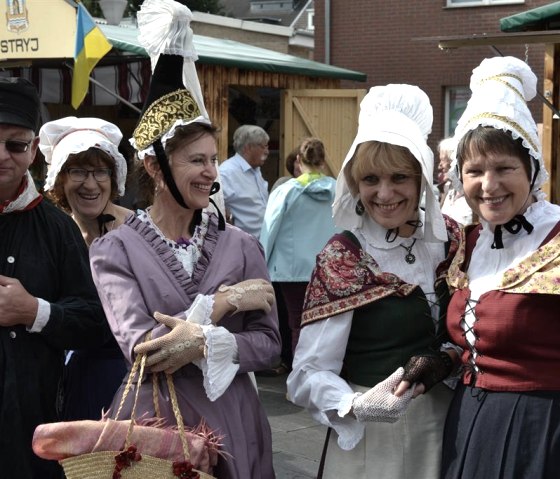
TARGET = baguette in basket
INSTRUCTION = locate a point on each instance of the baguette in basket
(130, 449)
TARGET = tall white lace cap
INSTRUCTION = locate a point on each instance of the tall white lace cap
(501, 88)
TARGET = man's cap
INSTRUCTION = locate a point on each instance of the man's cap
(19, 103)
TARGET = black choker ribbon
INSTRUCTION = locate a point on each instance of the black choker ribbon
(392, 234)
(221, 220)
(102, 221)
(513, 226)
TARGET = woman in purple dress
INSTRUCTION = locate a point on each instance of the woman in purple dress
(208, 279)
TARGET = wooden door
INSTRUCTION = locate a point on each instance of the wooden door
(330, 115)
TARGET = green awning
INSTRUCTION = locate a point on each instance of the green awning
(216, 51)
(546, 17)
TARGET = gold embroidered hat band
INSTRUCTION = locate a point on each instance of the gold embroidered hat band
(161, 116)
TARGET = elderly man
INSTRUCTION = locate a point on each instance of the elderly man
(48, 302)
(245, 190)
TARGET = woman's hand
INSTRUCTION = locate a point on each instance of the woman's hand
(424, 371)
(182, 345)
(380, 403)
(249, 295)
(404, 386)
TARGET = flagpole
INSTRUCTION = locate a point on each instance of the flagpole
(116, 95)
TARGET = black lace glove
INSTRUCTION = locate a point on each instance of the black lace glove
(428, 369)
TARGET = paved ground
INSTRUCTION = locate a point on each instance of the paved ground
(297, 440)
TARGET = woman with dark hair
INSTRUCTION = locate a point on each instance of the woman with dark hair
(85, 174)
(504, 420)
(177, 272)
(297, 224)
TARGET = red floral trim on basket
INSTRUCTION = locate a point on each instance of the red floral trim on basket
(184, 470)
(124, 459)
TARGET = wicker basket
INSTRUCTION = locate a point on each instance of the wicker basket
(101, 465)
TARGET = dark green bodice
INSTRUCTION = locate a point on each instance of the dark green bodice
(387, 332)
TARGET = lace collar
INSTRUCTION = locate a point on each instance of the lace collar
(188, 251)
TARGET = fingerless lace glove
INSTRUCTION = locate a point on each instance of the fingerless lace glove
(428, 369)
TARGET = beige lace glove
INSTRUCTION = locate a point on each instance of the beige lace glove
(182, 345)
(250, 295)
(379, 404)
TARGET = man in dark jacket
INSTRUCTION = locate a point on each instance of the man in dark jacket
(48, 302)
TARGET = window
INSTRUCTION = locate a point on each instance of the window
(478, 3)
(456, 98)
(310, 18)
(272, 6)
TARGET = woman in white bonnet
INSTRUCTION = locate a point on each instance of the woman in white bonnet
(85, 173)
(504, 420)
(372, 351)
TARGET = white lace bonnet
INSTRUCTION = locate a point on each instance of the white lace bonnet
(59, 139)
(402, 115)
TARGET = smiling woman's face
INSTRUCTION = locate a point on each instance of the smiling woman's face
(391, 199)
(496, 186)
(88, 198)
(388, 180)
(195, 168)
(496, 174)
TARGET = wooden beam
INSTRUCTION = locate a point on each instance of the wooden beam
(481, 39)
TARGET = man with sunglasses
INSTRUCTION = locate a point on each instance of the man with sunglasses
(48, 302)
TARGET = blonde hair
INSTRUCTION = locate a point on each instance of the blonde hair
(386, 157)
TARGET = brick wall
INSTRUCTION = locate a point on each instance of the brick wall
(380, 38)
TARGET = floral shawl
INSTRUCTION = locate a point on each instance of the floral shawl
(346, 277)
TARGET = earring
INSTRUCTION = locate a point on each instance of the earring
(360, 208)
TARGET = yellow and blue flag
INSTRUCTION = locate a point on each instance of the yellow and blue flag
(91, 46)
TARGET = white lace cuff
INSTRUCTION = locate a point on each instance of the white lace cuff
(221, 363)
(201, 309)
(345, 404)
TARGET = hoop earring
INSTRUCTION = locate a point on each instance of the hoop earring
(360, 209)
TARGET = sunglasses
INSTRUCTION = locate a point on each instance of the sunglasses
(16, 146)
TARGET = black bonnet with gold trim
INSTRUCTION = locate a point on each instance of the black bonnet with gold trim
(162, 114)
(168, 101)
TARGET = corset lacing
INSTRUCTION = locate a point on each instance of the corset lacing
(468, 320)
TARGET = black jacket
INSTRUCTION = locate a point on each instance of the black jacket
(44, 249)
